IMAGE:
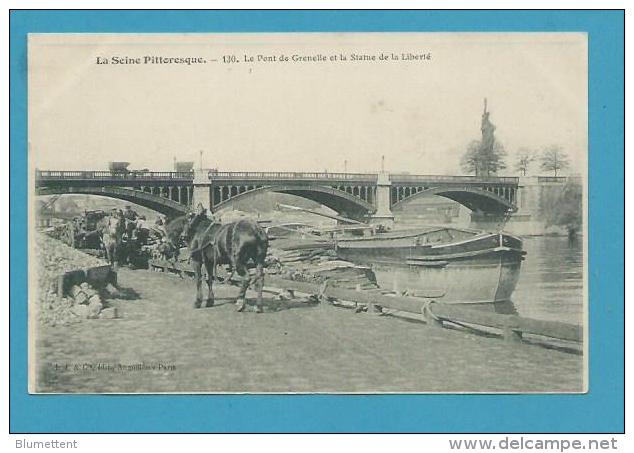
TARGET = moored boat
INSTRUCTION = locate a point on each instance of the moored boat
(451, 265)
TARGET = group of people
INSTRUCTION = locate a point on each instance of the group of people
(135, 224)
(131, 219)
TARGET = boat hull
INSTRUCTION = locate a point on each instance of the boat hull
(482, 269)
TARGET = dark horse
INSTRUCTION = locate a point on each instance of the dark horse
(210, 244)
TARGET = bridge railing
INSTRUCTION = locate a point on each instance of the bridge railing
(265, 175)
(557, 179)
(135, 175)
(140, 175)
(454, 179)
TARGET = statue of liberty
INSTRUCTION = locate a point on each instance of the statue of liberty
(487, 128)
(484, 157)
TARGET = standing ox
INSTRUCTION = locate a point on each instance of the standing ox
(235, 244)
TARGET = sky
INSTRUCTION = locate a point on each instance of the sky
(307, 115)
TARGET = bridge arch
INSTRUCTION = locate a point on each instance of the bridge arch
(477, 200)
(159, 204)
(335, 199)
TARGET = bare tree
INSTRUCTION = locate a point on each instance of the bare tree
(525, 157)
(470, 161)
(554, 159)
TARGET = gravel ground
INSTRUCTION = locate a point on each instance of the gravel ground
(162, 344)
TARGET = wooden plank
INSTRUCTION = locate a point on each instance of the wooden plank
(511, 325)
(401, 303)
(553, 329)
(515, 323)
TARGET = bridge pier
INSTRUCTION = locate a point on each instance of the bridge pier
(202, 189)
(383, 214)
(488, 221)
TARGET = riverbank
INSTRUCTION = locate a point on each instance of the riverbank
(162, 344)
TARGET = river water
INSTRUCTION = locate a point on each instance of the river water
(551, 280)
(550, 285)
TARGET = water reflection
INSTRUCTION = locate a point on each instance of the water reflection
(550, 285)
(551, 280)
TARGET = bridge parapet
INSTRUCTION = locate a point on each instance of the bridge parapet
(552, 179)
(447, 179)
(99, 175)
(138, 175)
(291, 176)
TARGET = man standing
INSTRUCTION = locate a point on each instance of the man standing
(202, 213)
(129, 214)
(160, 223)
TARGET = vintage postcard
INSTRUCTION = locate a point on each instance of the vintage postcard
(308, 213)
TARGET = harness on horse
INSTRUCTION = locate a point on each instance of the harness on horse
(207, 243)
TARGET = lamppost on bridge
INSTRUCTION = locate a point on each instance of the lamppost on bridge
(202, 187)
(345, 166)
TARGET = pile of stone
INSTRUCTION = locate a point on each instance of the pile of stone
(87, 303)
(81, 300)
(54, 257)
